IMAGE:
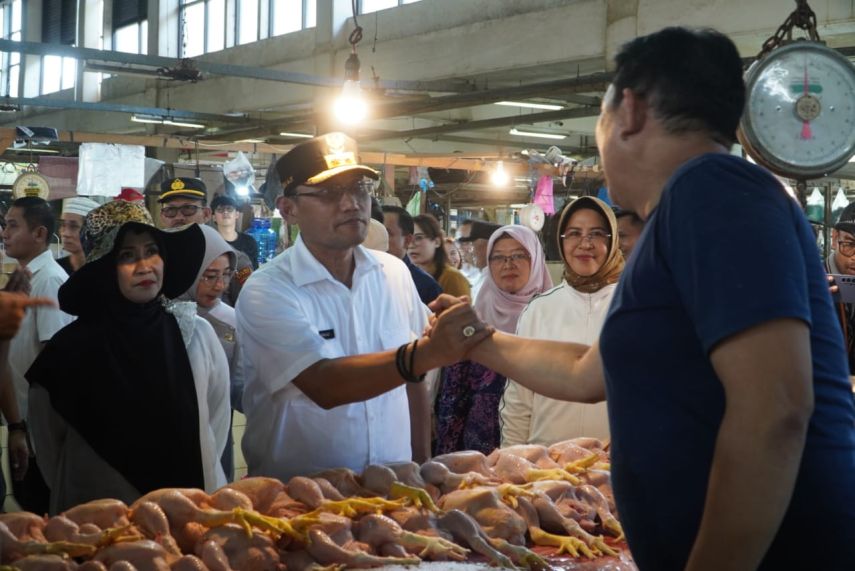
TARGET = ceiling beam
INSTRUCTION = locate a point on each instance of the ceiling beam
(101, 107)
(574, 113)
(229, 70)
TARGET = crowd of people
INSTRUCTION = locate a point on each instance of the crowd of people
(693, 327)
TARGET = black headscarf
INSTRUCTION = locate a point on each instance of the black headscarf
(120, 374)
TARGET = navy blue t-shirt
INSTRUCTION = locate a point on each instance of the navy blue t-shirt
(726, 249)
(428, 288)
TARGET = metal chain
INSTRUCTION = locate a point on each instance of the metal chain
(802, 17)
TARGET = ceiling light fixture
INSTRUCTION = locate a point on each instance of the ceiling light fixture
(156, 120)
(350, 106)
(499, 177)
(295, 135)
(536, 134)
(529, 105)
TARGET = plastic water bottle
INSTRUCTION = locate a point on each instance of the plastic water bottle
(256, 231)
(268, 241)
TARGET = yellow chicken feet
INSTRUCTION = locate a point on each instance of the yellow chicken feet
(521, 556)
(537, 474)
(417, 496)
(432, 547)
(573, 546)
(582, 464)
(352, 507)
(600, 544)
(613, 525)
(510, 492)
(59, 548)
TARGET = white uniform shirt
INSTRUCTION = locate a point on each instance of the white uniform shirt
(291, 314)
(559, 314)
(39, 323)
(478, 282)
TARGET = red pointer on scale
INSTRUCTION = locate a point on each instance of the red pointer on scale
(806, 130)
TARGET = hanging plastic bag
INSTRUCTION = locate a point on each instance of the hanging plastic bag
(240, 173)
(815, 206)
(840, 202)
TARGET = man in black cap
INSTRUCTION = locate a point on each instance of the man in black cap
(478, 237)
(225, 209)
(184, 200)
(332, 331)
(841, 260)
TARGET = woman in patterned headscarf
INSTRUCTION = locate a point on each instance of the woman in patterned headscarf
(467, 405)
(134, 395)
(572, 311)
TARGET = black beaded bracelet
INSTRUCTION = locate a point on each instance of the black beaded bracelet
(399, 361)
(17, 426)
(401, 364)
(413, 378)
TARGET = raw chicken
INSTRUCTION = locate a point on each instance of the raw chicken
(327, 552)
(60, 528)
(344, 480)
(144, 555)
(262, 492)
(379, 531)
(25, 526)
(439, 475)
(44, 563)
(534, 453)
(11, 548)
(150, 519)
(188, 563)
(465, 462)
(255, 552)
(485, 505)
(103, 513)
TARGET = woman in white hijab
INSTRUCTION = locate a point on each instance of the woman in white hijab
(217, 271)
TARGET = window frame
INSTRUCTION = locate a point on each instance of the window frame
(6, 65)
(271, 16)
(360, 5)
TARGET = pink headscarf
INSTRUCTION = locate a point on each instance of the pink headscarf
(499, 308)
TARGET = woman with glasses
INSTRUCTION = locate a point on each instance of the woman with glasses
(841, 261)
(215, 275)
(133, 396)
(572, 311)
(467, 406)
(427, 252)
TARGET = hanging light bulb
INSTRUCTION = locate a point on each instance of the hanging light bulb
(350, 107)
(499, 177)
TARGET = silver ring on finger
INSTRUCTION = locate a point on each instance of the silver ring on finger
(468, 331)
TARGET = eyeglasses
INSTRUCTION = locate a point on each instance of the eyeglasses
(513, 259)
(846, 248)
(597, 237)
(186, 210)
(417, 238)
(211, 280)
(331, 194)
(225, 210)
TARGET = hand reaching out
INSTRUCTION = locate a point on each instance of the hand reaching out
(457, 328)
(12, 309)
(19, 454)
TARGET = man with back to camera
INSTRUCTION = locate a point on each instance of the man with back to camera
(629, 230)
(183, 200)
(721, 341)
(320, 324)
(74, 210)
(29, 227)
(399, 225)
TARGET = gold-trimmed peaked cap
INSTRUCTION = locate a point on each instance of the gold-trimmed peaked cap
(319, 159)
(183, 187)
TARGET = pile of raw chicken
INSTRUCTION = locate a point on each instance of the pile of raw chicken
(456, 507)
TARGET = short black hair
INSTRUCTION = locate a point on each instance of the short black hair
(376, 210)
(37, 213)
(634, 218)
(692, 79)
(405, 220)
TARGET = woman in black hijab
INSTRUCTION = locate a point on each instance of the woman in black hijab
(134, 395)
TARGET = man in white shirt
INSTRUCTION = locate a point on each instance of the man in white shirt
(29, 227)
(477, 239)
(320, 325)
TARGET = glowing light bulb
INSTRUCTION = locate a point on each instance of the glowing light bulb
(350, 107)
(499, 177)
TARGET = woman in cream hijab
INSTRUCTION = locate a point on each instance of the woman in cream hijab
(572, 311)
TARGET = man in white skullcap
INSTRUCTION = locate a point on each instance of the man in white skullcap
(74, 210)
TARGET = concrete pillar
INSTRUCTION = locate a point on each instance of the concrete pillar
(90, 29)
(31, 65)
(621, 26)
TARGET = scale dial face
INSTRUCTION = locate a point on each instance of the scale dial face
(799, 119)
(30, 183)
